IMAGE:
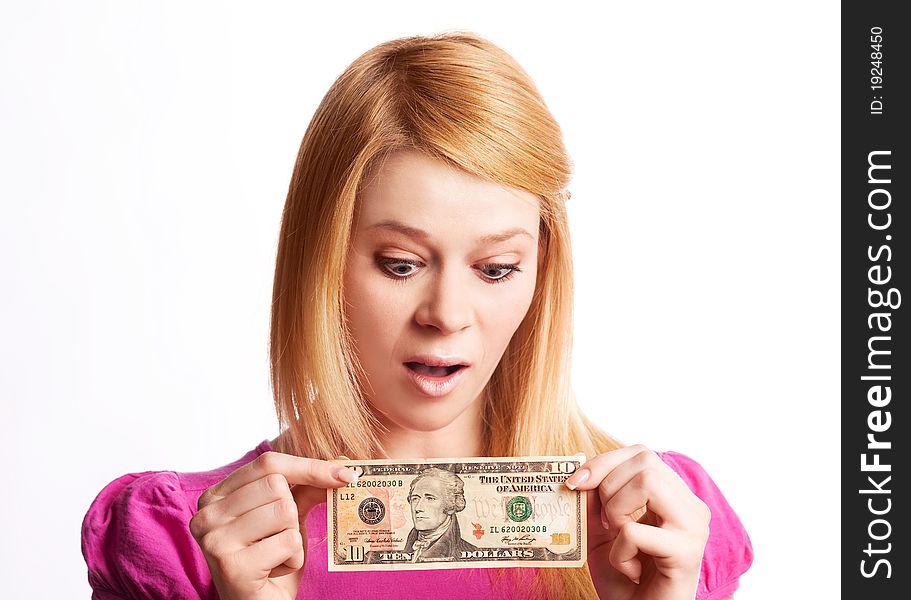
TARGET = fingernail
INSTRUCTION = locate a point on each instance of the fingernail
(636, 581)
(346, 475)
(604, 523)
(578, 478)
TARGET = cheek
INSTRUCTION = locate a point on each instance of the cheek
(508, 313)
(369, 311)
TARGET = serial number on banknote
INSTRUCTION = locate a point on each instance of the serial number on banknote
(457, 513)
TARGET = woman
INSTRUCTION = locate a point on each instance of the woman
(421, 308)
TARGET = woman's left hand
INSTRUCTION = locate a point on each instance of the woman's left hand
(644, 524)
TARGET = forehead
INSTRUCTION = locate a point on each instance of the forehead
(438, 198)
(430, 485)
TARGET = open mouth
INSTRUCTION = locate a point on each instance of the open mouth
(429, 371)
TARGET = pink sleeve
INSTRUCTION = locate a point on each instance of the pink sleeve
(728, 552)
(137, 543)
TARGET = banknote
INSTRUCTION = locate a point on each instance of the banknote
(457, 513)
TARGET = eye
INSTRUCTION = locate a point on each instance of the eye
(398, 268)
(494, 272)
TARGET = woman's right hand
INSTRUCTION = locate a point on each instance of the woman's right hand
(250, 525)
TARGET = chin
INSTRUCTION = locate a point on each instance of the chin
(428, 425)
(424, 420)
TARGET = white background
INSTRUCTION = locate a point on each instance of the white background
(145, 154)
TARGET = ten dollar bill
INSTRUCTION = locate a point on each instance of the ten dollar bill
(457, 513)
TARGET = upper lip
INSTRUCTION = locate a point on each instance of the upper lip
(438, 361)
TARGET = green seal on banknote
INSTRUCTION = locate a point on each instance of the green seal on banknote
(518, 508)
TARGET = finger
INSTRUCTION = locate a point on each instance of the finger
(594, 471)
(253, 495)
(296, 469)
(280, 570)
(262, 522)
(640, 482)
(635, 538)
(307, 497)
(281, 548)
(628, 504)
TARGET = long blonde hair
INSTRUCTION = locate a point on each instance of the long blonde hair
(462, 100)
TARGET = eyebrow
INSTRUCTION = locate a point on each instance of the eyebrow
(491, 238)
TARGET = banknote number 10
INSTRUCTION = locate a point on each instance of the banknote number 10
(562, 468)
(355, 554)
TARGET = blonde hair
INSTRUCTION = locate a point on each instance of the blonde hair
(460, 99)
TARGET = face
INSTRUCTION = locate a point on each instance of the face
(427, 500)
(442, 269)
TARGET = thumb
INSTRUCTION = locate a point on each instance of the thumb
(306, 497)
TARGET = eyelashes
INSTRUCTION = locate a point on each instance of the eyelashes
(392, 268)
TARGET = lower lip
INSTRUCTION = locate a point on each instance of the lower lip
(434, 387)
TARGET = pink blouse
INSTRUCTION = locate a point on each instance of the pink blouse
(137, 544)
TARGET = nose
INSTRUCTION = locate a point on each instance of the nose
(446, 305)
